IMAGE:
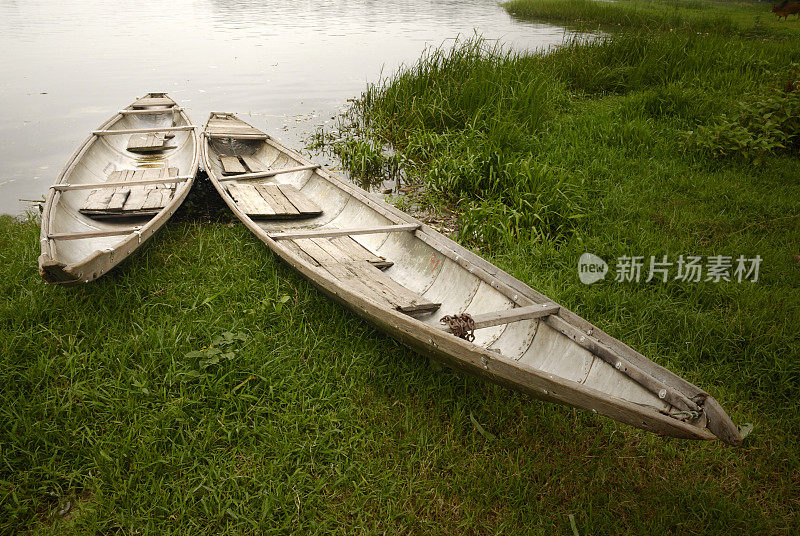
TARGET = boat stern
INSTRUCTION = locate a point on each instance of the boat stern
(720, 424)
(55, 272)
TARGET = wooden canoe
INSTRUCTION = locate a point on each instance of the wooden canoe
(121, 185)
(404, 277)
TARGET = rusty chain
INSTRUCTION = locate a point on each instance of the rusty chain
(462, 326)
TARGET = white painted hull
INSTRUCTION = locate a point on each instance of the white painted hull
(559, 357)
(69, 261)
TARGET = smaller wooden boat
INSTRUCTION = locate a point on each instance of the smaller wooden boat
(121, 185)
(439, 298)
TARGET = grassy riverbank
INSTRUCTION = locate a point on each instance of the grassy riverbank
(204, 388)
(748, 19)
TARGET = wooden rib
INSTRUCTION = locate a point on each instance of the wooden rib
(516, 297)
(262, 174)
(92, 234)
(112, 132)
(93, 185)
(516, 314)
(324, 233)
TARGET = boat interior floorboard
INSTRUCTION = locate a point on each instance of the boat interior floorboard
(319, 251)
(238, 164)
(273, 201)
(131, 201)
(366, 279)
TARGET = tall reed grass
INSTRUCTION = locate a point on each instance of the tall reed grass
(470, 119)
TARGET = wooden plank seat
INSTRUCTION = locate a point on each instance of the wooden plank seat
(238, 164)
(319, 251)
(366, 279)
(224, 126)
(131, 201)
(153, 100)
(273, 201)
(150, 142)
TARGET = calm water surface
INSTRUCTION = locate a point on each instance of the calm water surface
(288, 67)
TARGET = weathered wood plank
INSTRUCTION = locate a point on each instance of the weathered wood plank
(92, 234)
(153, 200)
(150, 111)
(145, 142)
(240, 199)
(297, 250)
(402, 298)
(114, 184)
(275, 198)
(98, 199)
(114, 132)
(136, 199)
(516, 314)
(253, 164)
(355, 283)
(236, 136)
(305, 206)
(320, 255)
(231, 165)
(118, 198)
(336, 253)
(270, 173)
(358, 252)
(254, 205)
(153, 101)
(322, 233)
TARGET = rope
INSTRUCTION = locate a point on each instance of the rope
(690, 415)
(462, 326)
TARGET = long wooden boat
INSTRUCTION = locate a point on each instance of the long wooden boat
(121, 185)
(404, 277)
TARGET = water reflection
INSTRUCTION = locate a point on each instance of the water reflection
(290, 65)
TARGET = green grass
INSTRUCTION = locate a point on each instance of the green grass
(317, 423)
(751, 19)
(202, 387)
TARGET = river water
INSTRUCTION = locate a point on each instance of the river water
(287, 67)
